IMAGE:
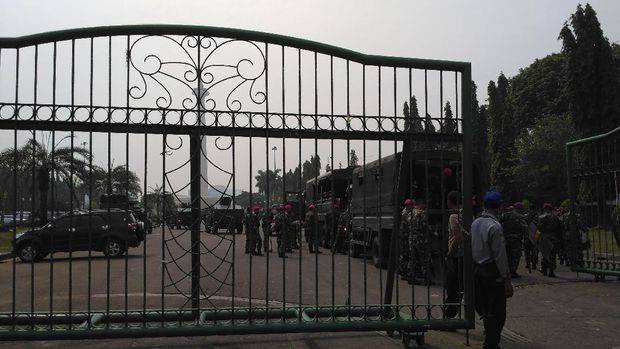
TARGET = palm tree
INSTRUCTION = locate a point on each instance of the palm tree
(119, 180)
(68, 164)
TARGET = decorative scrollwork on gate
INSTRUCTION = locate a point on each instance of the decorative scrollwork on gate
(222, 75)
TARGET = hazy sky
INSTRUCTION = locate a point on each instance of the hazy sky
(494, 36)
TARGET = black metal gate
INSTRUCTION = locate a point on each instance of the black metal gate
(593, 168)
(140, 152)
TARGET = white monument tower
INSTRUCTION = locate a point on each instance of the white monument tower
(200, 93)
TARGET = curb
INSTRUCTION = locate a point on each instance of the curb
(6, 255)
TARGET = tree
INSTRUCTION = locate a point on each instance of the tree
(119, 181)
(502, 134)
(539, 169)
(69, 164)
(327, 168)
(269, 184)
(449, 124)
(428, 124)
(353, 160)
(311, 168)
(413, 122)
(539, 90)
(591, 76)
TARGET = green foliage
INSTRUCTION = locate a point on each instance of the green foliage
(539, 169)
(565, 204)
(539, 90)
(354, 161)
(615, 214)
(593, 88)
(413, 122)
(449, 124)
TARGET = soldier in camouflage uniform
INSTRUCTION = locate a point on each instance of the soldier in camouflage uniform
(279, 226)
(312, 229)
(248, 223)
(289, 229)
(531, 252)
(342, 231)
(266, 220)
(404, 257)
(420, 261)
(515, 229)
(550, 228)
(257, 243)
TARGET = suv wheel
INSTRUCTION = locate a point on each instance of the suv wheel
(28, 252)
(114, 248)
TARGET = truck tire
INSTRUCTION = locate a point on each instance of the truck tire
(355, 250)
(378, 258)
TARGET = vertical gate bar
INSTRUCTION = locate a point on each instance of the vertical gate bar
(72, 186)
(444, 222)
(34, 173)
(334, 227)
(148, 223)
(234, 205)
(301, 185)
(467, 192)
(15, 182)
(364, 249)
(127, 118)
(267, 126)
(348, 164)
(109, 174)
(90, 180)
(316, 175)
(251, 274)
(34, 140)
(410, 166)
(459, 189)
(426, 184)
(164, 223)
(284, 198)
(331, 102)
(395, 252)
(53, 191)
(379, 211)
(195, 229)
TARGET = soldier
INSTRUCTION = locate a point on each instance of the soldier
(551, 232)
(406, 217)
(531, 252)
(279, 226)
(331, 222)
(258, 243)
(454, 256)
(342, 231)
(291, 228)
(420, 261)
(248, 223)
(515, 228)
(266, 220)
(312, 229)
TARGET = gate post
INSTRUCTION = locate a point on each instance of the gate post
(195, 154)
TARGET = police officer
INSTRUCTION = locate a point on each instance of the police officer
(515, 228)
(550, 228)
(406, 216)
(312, 229)
(491, 273)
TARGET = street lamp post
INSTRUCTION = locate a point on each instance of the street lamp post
(274, 158)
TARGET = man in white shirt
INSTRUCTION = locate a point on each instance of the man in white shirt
(491, 272)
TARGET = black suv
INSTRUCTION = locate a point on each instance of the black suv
(109, 231)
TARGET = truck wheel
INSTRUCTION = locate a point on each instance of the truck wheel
(378, 258)
(28, 252)
(355, 250)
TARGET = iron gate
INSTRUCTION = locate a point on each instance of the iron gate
(182, 131)
(593, 167)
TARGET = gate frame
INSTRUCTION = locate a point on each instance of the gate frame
(195, 132)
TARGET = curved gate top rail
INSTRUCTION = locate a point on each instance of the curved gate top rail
(159, 29)
(172, 78)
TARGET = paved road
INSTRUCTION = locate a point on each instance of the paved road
(570, 311)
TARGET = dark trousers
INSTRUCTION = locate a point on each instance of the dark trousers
(490, 302)
(454, 284)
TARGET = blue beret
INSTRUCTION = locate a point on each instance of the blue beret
(493, 196)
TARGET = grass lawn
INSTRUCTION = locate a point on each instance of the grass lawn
(6, 237)
(603, 242)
